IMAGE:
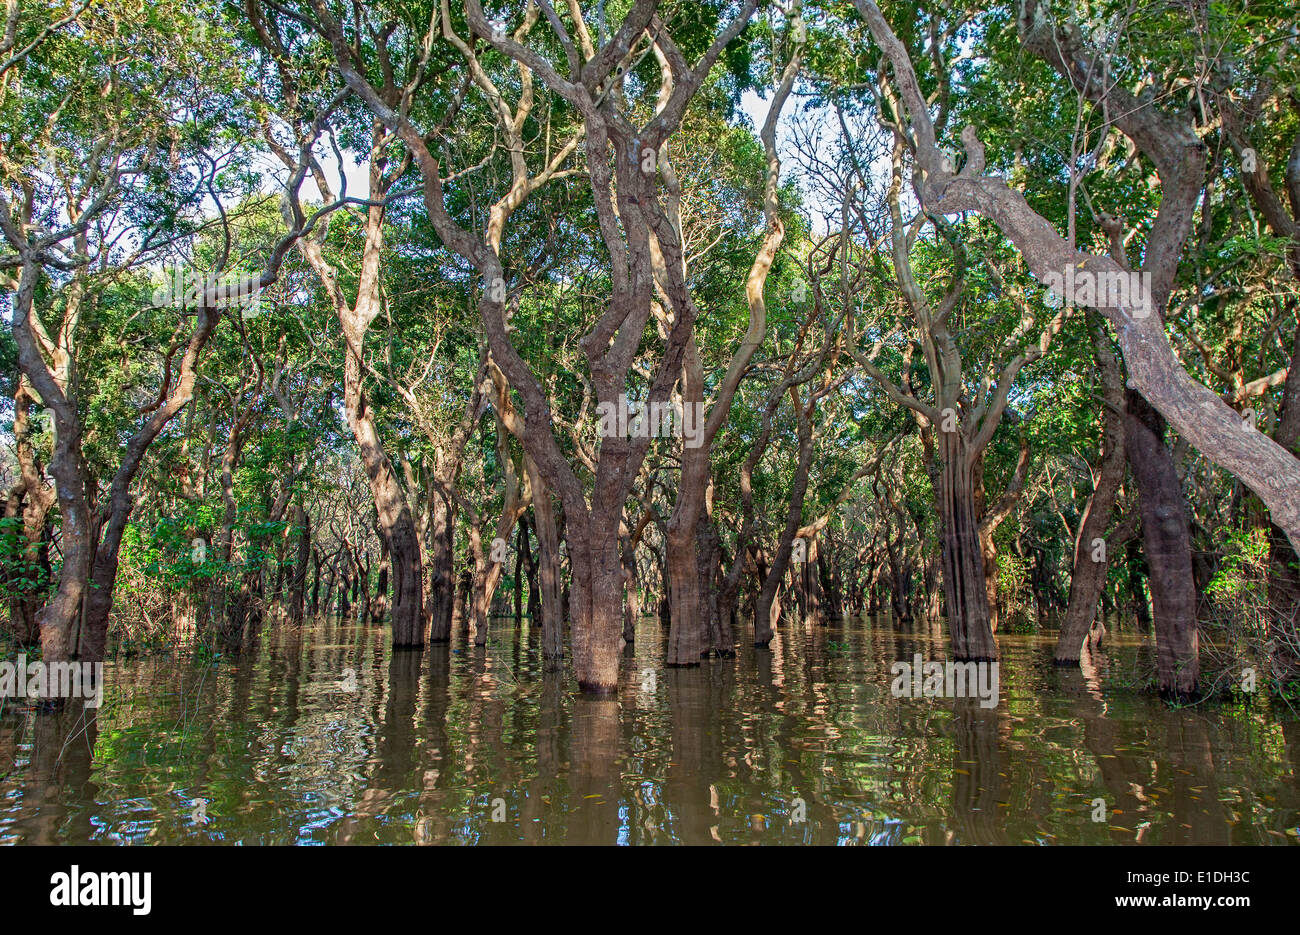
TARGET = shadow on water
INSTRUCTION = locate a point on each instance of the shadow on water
(321, 734)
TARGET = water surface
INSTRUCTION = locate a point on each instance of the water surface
(321, 735)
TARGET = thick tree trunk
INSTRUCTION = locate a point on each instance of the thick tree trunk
(811, 586)
(460, 610)
(73, 480)
(685, 634)
(397, 526)
(99, 598)
(442, 587)
(963, 565)
(1167, 546)
(692, 624)
(595, 602)
(482, 584)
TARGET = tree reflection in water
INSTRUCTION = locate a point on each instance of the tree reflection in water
(321, 734)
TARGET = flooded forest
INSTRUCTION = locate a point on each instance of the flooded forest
(650, 422)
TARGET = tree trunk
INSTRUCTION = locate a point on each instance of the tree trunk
(379, 605)
(521, 549)
(548, 561)
(685, 634)
(1167, 546)
(298, 579)
(315, 582)
(442, 587)
(460, 610)
(963, 565)
(29, 503)
(632, 598)
(595, 602)
(344, 584)
(766, 608)
(989, 560)
(1091, 559)
(396, 525)
(1284, 567)
(534, 609)
(709, 548)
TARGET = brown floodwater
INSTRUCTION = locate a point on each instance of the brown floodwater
(321, 735)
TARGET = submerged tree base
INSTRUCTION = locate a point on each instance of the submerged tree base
(1181, 697)
(597, 688)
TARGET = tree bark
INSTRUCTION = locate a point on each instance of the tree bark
(395, 521)
(765, 608)
(442, 587)
(1088, 579)
(1284, 566)
(298, 578)
(966, 602)
(29, 504)
(1167, 546)
(548, 560)
(595, 605)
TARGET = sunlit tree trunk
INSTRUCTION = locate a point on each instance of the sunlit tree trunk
(396, 523)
